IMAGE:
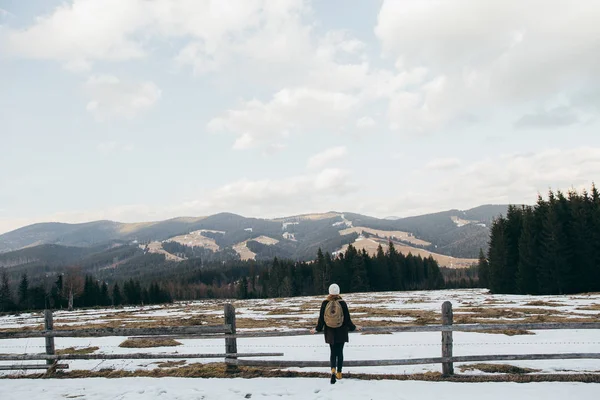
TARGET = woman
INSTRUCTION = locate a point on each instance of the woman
(334, 318)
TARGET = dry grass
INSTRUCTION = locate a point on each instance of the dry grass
(558, 319)
(492, 313)
(415, 301)
(510, 332)
(73, 350)
(245, 323)
(218, 370)
(147, 343)
(542, 303)
(497, 368)
(118, 322)
(591, 307)
(171, 364)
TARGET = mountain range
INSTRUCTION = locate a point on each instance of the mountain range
(453, 237)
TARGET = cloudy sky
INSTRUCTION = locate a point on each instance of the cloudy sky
(137, 110)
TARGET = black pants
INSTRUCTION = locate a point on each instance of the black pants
(337, 354)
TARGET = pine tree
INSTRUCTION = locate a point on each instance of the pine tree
(483, 270)
(104, 297)
(243, 289)
(394, 268)
(319, 273)
(117, 297)
(6, 302)
(359, 281)
(579, 235)
(512, 234)
(566, 272)
(56, 292)
(497, 256)
(595, 236)
(24, 292)
(528, 255)
(554, 257)
(382, 271)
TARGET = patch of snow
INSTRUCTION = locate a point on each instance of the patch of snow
(289, 388)
(286, 224)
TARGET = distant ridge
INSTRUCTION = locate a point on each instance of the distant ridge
(456, 233)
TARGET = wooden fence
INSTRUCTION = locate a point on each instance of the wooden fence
(233, 358)
(52, 359)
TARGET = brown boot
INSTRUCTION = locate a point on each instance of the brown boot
(338, 375)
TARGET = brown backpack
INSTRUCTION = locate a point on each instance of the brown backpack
(334, 315)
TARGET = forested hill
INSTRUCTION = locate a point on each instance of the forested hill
(227, 236)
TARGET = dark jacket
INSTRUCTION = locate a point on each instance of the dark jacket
(335, 335)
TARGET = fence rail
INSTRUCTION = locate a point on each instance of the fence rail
(417, 361)
(233, 359)
(101, 332)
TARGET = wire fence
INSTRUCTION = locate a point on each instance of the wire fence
(233, 357)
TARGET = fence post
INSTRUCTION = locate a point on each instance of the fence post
(230, 343)
(48, 326)
(447, 317)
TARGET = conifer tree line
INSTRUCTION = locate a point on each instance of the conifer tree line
(550, 248)
(353, 270)
(89, 293)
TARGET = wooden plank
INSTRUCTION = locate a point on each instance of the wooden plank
(132, 356)
(415, 361)
(49, 326)
(32, 366)
(230, 342)
(100, 332)
(203, 332)
(447, 367)
(525, 326)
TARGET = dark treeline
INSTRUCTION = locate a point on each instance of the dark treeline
(353, 270)
(550, 248)
(86, 292)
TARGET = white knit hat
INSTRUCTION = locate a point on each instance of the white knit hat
(334, 289)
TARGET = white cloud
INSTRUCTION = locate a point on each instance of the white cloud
(487, 53)
(5, 14)
(290, 111)
(302, 193)
(365, 122)
(85, 31)
(321, 159)
(112, 146)
(443, 164)
(81, 32)
(553, 118)
(508, 178)
(110, 97)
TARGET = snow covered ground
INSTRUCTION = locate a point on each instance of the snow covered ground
(368, 309)
(285, 388)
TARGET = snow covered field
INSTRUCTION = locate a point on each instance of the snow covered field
(368, 309)
(285, 388)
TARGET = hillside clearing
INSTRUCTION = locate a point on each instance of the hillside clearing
(371, 245)
(196, 239)
(156, 247)
(245, 253)
(397, 235)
